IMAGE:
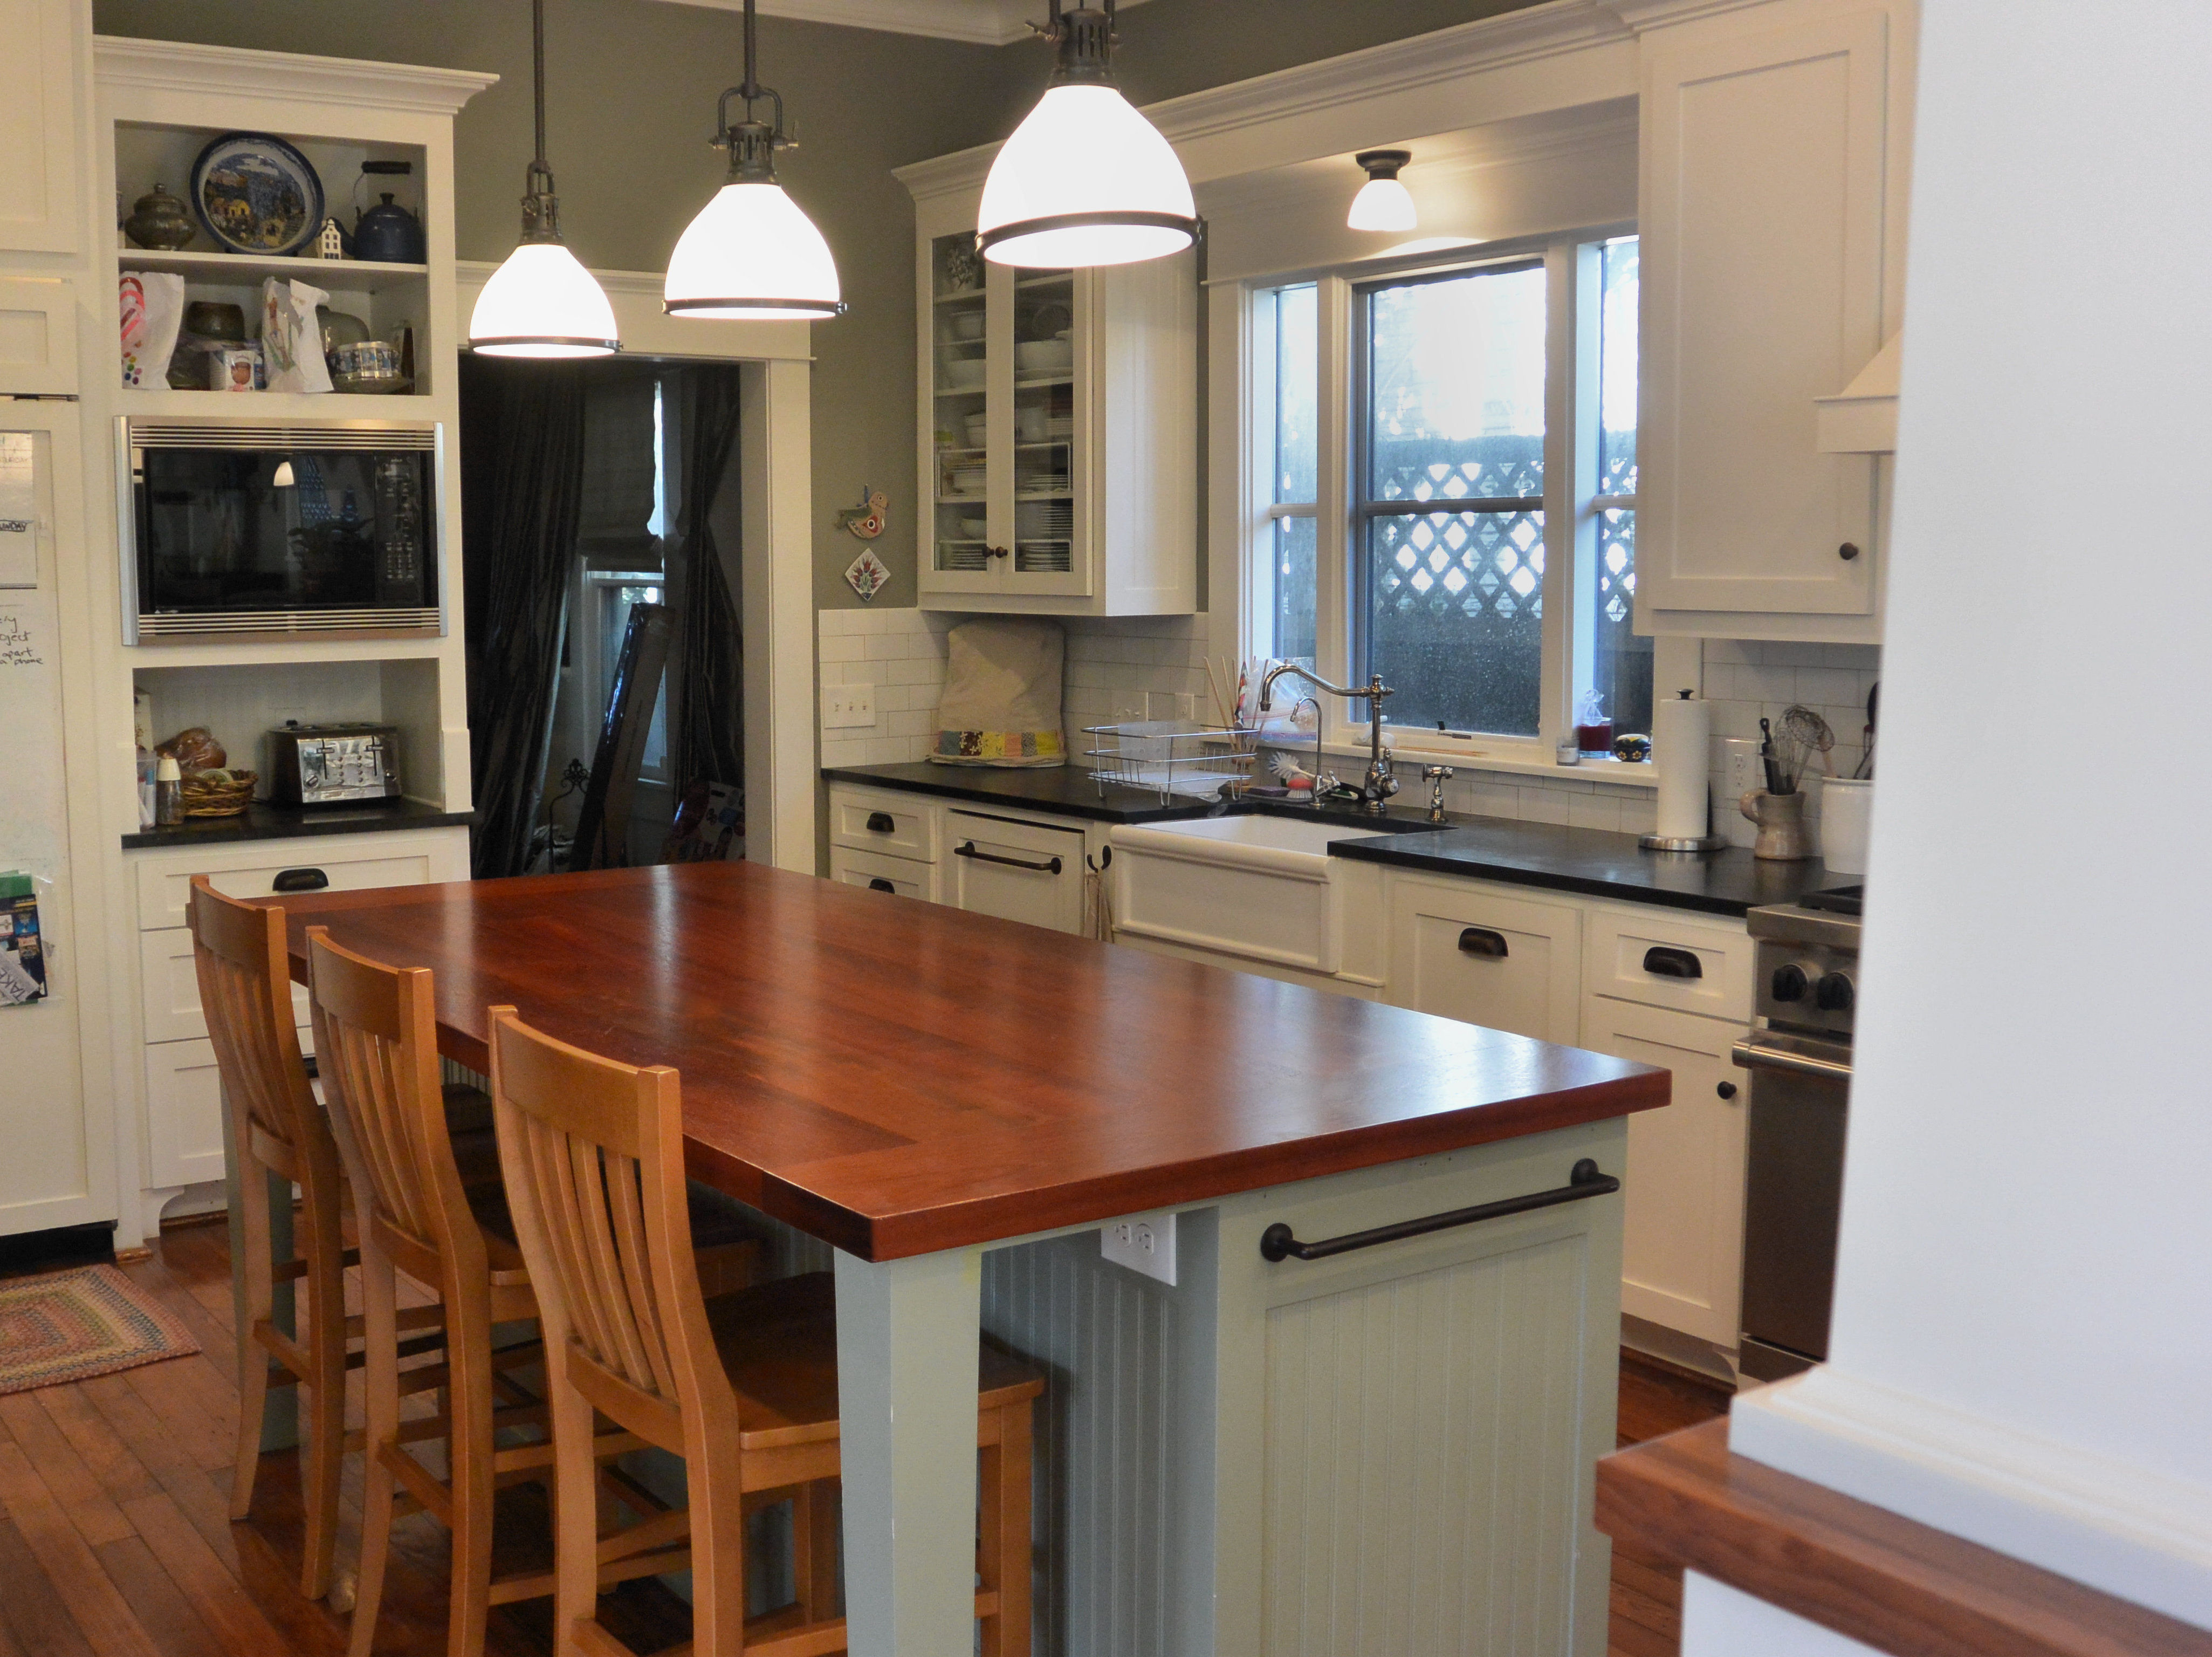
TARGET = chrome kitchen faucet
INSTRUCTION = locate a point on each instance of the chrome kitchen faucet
(1379, 784)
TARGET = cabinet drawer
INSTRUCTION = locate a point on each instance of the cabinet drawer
(184, 1113)
(902, 875)
(1682, 1254)
(171, 988)
(1469, 952)
(1015, 871)
(1658, 957)
(348, 863)
(896, 825)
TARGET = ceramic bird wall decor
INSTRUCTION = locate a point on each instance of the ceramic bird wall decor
(865, 521)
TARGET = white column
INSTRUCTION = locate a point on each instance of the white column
(2023, 1317)
(907, 1354)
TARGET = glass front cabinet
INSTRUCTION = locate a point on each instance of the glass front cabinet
(1059, 427)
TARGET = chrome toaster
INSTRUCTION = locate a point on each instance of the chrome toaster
(331, 765)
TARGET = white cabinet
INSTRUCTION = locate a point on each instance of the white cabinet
(1059, 432)
(1471, 951)
(1017, 871)
(38, 336)
(1682, 1259)
(902, 877)
(1772, 222)
(41, 210)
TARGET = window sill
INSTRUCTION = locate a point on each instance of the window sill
(1469, 757)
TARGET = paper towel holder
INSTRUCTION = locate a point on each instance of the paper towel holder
(1686, 843)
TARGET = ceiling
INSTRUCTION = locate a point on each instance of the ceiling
(988, 22)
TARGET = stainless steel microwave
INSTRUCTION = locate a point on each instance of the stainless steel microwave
(234, 528)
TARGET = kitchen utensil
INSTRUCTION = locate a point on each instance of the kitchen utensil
(1766, 758)
(1783, 836)
(1865, 767)
(254, 193)
(1804, 734)
(386, 233)
(160, 221)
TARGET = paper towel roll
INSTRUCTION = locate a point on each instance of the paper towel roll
(1681, 745)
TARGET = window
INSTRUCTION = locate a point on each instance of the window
(1481, 529)
(611, 593)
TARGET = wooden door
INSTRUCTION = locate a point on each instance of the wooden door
(1016, 871)
(1682, 1257)
(1763, 219)
(1469, 952)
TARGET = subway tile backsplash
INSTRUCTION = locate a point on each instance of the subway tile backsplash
(1131, 668)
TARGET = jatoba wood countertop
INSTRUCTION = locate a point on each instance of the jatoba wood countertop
(898, 1077)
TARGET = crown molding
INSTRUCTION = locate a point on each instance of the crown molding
(978, 22)
(178, 66)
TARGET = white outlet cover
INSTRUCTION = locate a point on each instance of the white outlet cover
(847, 706)
(1145, 1243)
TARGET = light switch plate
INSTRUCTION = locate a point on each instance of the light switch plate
(847, 706)
(1142, 1242)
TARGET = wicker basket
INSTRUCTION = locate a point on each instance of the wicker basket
(217, 793)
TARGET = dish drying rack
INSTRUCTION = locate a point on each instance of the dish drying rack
(1173, 756)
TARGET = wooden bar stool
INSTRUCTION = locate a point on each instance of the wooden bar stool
(375, 1036)
(278, 1128)
(745, 1389)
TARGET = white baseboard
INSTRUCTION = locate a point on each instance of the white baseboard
(2138, 1535)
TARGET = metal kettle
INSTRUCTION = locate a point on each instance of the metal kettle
(388, 232)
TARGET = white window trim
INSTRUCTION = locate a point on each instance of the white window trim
(1571, 499)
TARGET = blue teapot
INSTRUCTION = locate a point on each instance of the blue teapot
(389, 233)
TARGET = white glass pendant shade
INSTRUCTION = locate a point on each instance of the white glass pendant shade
(543, 302)
(1086, 179)
(1383, 205)
(751, 254)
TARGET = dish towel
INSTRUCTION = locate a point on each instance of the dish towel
(1001, 700)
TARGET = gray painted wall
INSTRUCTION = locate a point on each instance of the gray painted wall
(631, 87)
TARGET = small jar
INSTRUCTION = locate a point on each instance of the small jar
(168, 793)
(1571, 753)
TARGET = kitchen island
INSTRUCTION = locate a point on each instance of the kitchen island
(1388, 1449)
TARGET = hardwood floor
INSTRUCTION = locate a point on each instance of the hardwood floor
(115, 1539)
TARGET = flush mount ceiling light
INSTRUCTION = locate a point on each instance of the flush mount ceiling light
(1383, 203)
(1086, 179)
(542, 302)
(751, 254)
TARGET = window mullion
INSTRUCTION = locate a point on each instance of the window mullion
(1335, 559)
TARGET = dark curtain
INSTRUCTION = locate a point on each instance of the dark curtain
(522, 450)
(705, 699)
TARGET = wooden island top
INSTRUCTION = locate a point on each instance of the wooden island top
(897, 1077)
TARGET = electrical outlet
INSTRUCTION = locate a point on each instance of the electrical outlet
(1143, 1242)
(846, 706)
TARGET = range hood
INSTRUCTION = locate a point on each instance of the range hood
(1862, 419)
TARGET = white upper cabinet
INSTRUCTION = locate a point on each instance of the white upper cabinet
(1059, 433)
(1772, 220)
(41, 211)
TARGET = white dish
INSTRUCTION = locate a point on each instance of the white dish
(961, 373)
(1044, 355)
(978, 428)
(966, 325)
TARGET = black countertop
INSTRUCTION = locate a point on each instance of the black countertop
(1591, 861)
(266, 822)
(1598, 864)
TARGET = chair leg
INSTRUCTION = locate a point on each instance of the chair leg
(469, 1453)
(255, 1270)
(322, 1454)
(380, 1369)
(575, 1509)
(1006, 1554)
(814, 1549)
(717, 1557)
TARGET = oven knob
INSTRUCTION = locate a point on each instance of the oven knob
(1789, 983)
(1834, 993)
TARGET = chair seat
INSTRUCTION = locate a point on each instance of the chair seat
(778, 1343)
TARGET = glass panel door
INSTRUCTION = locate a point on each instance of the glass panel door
(959, 352)
(1044, 471)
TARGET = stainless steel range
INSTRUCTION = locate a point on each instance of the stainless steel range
(1799, 1055)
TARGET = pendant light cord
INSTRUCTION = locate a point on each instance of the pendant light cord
(751, 142)
(537, 81)
(541, 208)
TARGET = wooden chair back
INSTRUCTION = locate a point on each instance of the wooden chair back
(592, 1153)
(245, 990)
(376, 1046)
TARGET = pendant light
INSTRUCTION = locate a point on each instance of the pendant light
(751, 254)
(542, 302)
(1383, 203)
(1086, 179)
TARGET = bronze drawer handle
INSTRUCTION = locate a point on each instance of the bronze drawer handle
(967, 848)
(300, 880)
(879, 883)
(1663, 960)
(1276, 1243)
(882, 822)
(1481, 941)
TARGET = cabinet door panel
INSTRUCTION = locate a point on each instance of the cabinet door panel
(1762, 282)
(39, 206)
(1469, 953)
(38, 336)
(170, 984)
(184, 1113)
(1007, 871)
(1682, 1257)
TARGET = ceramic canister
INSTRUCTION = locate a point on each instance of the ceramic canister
(1846, 802)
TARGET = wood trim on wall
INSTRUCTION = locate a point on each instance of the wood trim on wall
(1861, 1570)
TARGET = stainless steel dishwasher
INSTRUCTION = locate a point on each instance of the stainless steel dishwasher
(1799, 1055)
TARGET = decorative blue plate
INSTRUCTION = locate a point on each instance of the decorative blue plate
(254, 193)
